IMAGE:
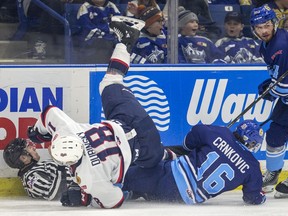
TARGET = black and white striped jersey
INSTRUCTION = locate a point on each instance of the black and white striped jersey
(45, 179)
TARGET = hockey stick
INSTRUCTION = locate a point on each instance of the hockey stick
(257, 99)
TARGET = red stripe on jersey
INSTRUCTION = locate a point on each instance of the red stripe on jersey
(119, 203)
(121, 171)
(44, 113)
(120, 61)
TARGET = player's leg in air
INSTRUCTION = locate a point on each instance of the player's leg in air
(120, 104)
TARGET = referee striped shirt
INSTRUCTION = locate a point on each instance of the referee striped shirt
(45, 179)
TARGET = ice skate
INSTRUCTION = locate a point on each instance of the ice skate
(281, 190)
(270, 179)
(127, 30)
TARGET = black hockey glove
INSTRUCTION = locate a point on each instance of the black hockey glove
(36, 137)
(75, 197)
(262, 87)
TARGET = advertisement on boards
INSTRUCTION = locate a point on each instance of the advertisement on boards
(24, 93)
(177, 98)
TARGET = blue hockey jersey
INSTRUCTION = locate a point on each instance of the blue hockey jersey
(94, 21)
(152, 49)
(216, 163)
(198, 50)
(240, 50)
(275, 54)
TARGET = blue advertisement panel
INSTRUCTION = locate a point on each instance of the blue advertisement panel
(178, 98)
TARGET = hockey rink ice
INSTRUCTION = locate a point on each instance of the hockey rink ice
(227, 204)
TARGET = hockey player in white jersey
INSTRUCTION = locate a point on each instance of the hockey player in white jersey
(100, 154)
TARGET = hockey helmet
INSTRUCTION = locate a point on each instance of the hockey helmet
(13, 151)
(66, 150)
(262, 15)
(250, 134)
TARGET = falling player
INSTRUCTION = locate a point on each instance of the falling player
(218, 161)
(100, 154)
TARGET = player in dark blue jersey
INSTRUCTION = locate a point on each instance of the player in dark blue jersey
(274, 49)
(218, 161)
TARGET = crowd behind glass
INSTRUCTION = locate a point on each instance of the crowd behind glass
(77, 31)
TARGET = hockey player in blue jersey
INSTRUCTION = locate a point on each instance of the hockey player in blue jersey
(274, 49)
(218, 161)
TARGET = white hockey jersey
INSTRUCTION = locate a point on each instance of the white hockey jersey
(106, 158)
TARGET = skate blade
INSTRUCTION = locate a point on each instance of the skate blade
(268, 189)
(279, 195)
(134, 23)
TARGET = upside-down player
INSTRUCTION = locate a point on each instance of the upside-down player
(274, 49)
(100, 154)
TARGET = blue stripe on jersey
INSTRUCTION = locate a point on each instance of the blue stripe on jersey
(184, 175)
(280, 90)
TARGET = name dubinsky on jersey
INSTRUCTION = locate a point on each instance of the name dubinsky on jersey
(106, 157)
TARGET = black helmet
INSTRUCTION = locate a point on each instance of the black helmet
(13, 151)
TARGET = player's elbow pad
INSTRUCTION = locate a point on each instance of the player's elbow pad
(261, 198)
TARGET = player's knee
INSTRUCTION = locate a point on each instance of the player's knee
(110, 79)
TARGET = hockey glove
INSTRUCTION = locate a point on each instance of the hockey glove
(75, 197)
(252, 200)
(262, 87)
(36, 137)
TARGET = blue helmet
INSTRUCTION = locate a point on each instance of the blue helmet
(250, 134)
(262, 15)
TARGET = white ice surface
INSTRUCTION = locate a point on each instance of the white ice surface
(227, 204)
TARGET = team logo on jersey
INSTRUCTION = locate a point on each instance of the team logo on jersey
(78, 179)
(152, 98)
(31, 181)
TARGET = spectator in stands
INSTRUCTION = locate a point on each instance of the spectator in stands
(94, 17)
(151, 46)
(45, 33)
(208, 29)
(193, 48)
(133, 5)
(199, 7)
(238, 49)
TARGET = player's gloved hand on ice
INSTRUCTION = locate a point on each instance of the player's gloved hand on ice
(35, 136)
(262, 87)
(75, 197)
(254, 200)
